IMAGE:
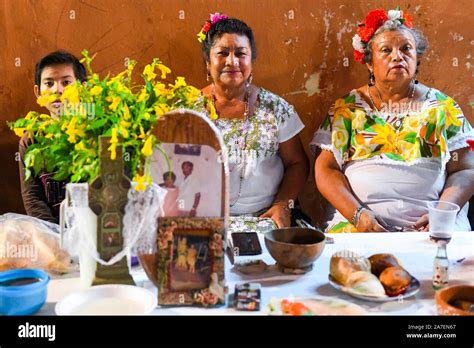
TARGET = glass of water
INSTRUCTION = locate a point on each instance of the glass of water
(442, 218)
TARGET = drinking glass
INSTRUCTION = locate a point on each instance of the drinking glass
(442, 218)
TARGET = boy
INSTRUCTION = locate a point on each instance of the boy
(41, 194)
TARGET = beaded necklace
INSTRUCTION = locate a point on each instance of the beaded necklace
(246, 119)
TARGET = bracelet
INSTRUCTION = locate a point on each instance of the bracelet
(284, 204)
(356, 216)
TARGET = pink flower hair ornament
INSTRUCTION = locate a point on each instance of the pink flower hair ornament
(214, 18)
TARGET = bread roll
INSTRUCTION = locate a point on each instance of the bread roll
(344, 263)
(379, 262)
(395, 280)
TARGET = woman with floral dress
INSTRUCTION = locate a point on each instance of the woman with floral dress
(268, 167)
(394, 144)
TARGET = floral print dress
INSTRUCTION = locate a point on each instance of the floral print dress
(394, 163)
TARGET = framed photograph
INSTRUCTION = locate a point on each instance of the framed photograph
(191, 261)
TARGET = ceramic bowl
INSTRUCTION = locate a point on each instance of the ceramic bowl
(295, 247)
(450, 299)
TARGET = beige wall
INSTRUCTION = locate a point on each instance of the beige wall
(302, 46)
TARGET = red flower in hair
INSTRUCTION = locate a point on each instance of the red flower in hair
(408, 20)
(365, 32)
(206, 27)
(358, 56)
(374, 20)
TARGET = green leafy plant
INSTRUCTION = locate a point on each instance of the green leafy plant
(113, 106)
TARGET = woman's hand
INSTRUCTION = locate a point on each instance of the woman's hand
(422, 224)
(368, 222)
(280, 214)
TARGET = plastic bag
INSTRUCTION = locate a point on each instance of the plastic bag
(28, 242)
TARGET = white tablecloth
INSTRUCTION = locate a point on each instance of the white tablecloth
(414, 250)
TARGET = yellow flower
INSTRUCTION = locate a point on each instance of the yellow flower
(180, 82)
(113, 144)
(30, 115)
(412, 123)
(96, 90)
(79, 146)
(49, 136)
(341, 108)
(148, 72)
(115, 103)
(45, 124)
(146, 116)
(201, 36)
(409, 151)
(361, 152)
(212, 111)
(359, 119)
(161, 109)
(46, 98)
(385, 136)
(126, 112)
(123, 128)
(71, 94)
(193, 94)
(160, 89)
(140, 180)
(431, 116)
(451, 113)
(340, 138)
(72, 131)
(147, 149)
(142, 133)
(143, 95)
(164, 70)
(19, 131)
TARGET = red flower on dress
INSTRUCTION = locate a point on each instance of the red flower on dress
(358, 56)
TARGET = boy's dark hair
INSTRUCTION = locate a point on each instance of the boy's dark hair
(228, 26)
(168, 175)
(60, 57)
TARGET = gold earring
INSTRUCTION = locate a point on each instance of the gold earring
(250, 78)
(208, 76)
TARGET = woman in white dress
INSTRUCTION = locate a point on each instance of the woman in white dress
(394, 144)
(268, 167)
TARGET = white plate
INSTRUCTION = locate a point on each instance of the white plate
(412, 290)
(108, 300)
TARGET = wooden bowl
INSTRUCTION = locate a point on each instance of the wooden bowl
(295, 247)
(445, 298)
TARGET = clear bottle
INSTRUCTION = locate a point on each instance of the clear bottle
(441, 268)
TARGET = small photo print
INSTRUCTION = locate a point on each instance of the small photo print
(191, 264)
(192, 179)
